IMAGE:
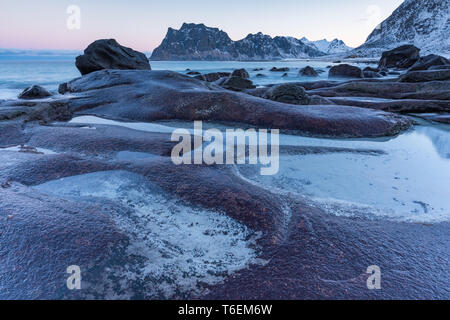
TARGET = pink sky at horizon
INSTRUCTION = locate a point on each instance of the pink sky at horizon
(27, 24)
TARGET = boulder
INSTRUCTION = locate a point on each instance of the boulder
(402, 57)
(288, 93)
(275, 69)
(260, 75)
(308, 72)
(108, 54)
(425, 76)
(345, 71)
(241, 73)
(34, 92)
(285, 75)
(424, 63)
(237, 84)
(193, 73)
(258, 69)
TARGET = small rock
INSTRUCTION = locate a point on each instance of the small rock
(258, 69)
(237, 84)
(34, 92)
(345, 71)
(284, 75)
(371, 74)
(211, 77)
(241, 73)
(288, 93)
(371, 69)
(275, 69)
(193, 73)
(308, 72)
(63, 88)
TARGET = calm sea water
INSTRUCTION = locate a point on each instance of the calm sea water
(16, 75)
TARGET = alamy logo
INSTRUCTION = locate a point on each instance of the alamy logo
(74, 19)
(228, 148)
(74, 280)
(374, 280)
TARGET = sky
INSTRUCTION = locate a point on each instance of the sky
(142, 24)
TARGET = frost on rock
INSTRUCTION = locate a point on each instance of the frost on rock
(173, 247)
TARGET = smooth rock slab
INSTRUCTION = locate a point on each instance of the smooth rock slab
(162, 95)
(425, 76)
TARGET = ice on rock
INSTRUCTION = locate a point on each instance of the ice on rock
(177, 245)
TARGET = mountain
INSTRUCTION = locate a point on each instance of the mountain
(424, 23)
(199, 42)
(328, 47)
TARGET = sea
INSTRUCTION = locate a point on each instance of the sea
(18, 73)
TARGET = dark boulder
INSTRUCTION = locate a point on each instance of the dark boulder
(108, 54)
(288, 93)
(260, 75)
(345, 71)
(237, 84)
(241, 73)
(258, 69)
(34, 92)
(425, 76)
(62, 89)
(285, 75)
(308, 72)
(193, 73)
(275, 69)
(402, 57)
(424, 63)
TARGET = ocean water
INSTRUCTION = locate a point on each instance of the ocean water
(16, 75)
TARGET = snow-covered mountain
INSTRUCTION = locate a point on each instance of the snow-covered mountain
(199, 42)
(424, 23)
(328, 47)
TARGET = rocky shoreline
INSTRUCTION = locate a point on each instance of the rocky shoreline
(290, 250)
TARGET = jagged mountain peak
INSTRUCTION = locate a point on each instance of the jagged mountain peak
(329, 47)
(423, 23)
(199, 42)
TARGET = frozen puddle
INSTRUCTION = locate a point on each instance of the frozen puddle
(179, 245)
(141, 126)
(408, 181)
